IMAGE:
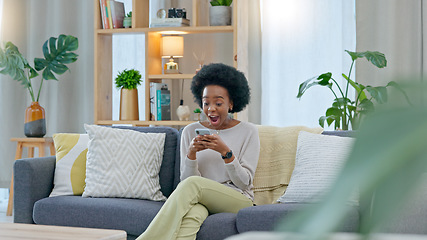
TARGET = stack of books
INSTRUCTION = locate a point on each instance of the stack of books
(169, 22)
(112, 13)
(160, 102)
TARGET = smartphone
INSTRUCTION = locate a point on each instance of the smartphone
(202, 131)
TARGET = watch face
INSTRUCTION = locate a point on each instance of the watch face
(228, 155)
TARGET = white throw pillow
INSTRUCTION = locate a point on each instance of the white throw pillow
(70, 168)
(318, 161)
(123, 163)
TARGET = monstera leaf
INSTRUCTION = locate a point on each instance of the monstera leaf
(57, 52)
(12, 63)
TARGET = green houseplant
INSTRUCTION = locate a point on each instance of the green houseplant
(344, 111)
(127, 20)
(57, 53)
(128, 81)
(221, 2)
(198, 112)
(220, 12)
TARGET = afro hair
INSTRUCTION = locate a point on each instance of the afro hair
(225, 76)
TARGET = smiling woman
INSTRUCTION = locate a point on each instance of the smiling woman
(217, 169)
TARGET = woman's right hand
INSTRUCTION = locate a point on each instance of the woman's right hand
(196, 145)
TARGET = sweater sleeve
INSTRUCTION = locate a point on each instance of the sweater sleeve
(188, 167)
(242, 169)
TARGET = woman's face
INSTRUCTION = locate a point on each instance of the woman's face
(216, 103)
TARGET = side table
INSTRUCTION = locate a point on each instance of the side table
(30, 143)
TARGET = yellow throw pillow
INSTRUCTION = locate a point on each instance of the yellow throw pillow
(278, 146)
(70, 170)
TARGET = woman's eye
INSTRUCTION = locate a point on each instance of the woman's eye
(219, 104)
(205, 104)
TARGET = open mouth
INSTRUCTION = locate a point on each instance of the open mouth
(214, 120)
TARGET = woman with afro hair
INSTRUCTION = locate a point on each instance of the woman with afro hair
(217, 169)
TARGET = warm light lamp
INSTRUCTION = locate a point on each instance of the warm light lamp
(172, 47)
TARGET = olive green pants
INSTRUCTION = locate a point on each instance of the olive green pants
(189, 205)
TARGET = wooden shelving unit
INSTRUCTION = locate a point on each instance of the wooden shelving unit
(103, 75)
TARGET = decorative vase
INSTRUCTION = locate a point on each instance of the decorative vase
(129, 104)
(35, 121)
(219, 15)
(183, 112)
(127, 22)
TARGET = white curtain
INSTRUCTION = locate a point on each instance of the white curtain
(302, 39)
(396, 28)
(68, 102)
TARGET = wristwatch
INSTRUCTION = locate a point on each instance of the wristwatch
(228, 155)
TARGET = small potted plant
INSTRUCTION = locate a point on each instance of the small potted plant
(57, 53)
(127, 81)
(220, 13)
(198, 112)
(127, 20)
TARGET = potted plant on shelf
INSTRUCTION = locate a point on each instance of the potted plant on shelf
(198, 112)
(57, 53)
(127, 20)
(344, 111)
(220, 13)
(128, 81)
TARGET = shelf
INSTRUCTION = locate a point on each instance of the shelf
(144, 123)
(171, 76)
(167, 30)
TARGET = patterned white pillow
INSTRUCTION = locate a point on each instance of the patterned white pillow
(123, 163)
(319, 159)
(70, 169)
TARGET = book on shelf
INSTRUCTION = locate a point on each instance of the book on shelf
(112, 13)
(117, 13)
(160, 102)
(104, 16)
(169, 22)
(110, 20)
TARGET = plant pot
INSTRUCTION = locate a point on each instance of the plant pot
(129, 104)
(35, 121)
(219, 15)
(127, 22)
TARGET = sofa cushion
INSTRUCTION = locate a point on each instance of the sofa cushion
(169, 175)
(267, 217)
(278, 146)
(319, 159)
(218, 226)
(70, 168)
(123, 163)
(131, 215)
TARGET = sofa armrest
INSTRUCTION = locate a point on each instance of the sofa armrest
(33, 180)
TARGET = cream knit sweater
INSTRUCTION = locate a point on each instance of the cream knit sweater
(242, 139)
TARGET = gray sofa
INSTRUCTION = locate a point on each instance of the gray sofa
(34, 182)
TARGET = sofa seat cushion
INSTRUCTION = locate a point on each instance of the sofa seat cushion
(266, 217)
(131, 215)
(222, 225)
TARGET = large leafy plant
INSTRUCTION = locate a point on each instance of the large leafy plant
(344, 111)
(57, 52)
(128, 79)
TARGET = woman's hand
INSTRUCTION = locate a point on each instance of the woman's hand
(215, 143)
(196, 145)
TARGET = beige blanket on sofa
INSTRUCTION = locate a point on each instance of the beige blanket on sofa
(278, 146)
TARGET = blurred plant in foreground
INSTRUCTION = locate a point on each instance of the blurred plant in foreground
(388, 159)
